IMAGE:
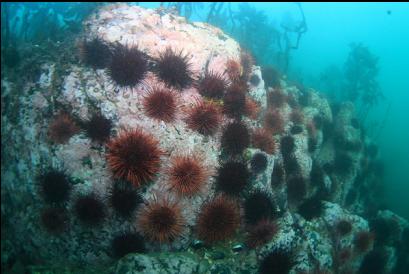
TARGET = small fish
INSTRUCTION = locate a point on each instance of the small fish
(237, 248)
(389, 12)
(197, 244)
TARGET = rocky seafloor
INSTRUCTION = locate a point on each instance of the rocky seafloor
(319, 154)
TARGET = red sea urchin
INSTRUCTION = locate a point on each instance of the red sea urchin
(363, 241)
(204, 117)
(134, 156)
(276, 98)
(247, 63)
(174, 69)
(297, 116)
(273, 122)
(187, 175)
(128, 66)
(252, 109)
(213, 85)
(262, 139)
(234, 70)
(218, 219)
(62, 128)
(160, 103)
(161, 220)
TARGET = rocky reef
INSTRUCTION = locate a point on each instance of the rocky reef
(163, 145)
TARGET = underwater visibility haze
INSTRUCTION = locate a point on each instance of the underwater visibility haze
(209, 137)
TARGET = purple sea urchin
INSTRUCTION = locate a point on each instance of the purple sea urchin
(174, 69)
(95, 53)
(277, 262)
(54, 186)
(258, 206)
(90, 210)
(258, 162)
(234, 101)
(128, 242)
(98, 128)
(271, 77)
(261, 233)
(54, 220)
(232, 178)
(128, 66)
(124, 198)
(235, 138)
(311, 208)
(296, 188)
(287, 145)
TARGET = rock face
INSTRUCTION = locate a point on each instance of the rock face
(333, 156)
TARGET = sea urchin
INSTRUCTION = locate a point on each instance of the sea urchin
(98, 128)
(261, 233)
(124, 198)
(134, 156)
(204, 117)
(128, 242)
(90, 210)
(258, 206)
(128, 66)
(262, 139)
(160, 103)
(232, 178)
(218, 219)
(187, 175)
(54, 219)
(62, 128)
(213, 85)
(174, 69)
(161, 220)
(95, 53)
(55, 186)
(235, 138)
(277, 262)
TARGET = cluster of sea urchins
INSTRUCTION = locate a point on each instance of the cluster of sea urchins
(134, 156)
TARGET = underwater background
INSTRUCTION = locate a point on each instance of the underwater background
(325, 84)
